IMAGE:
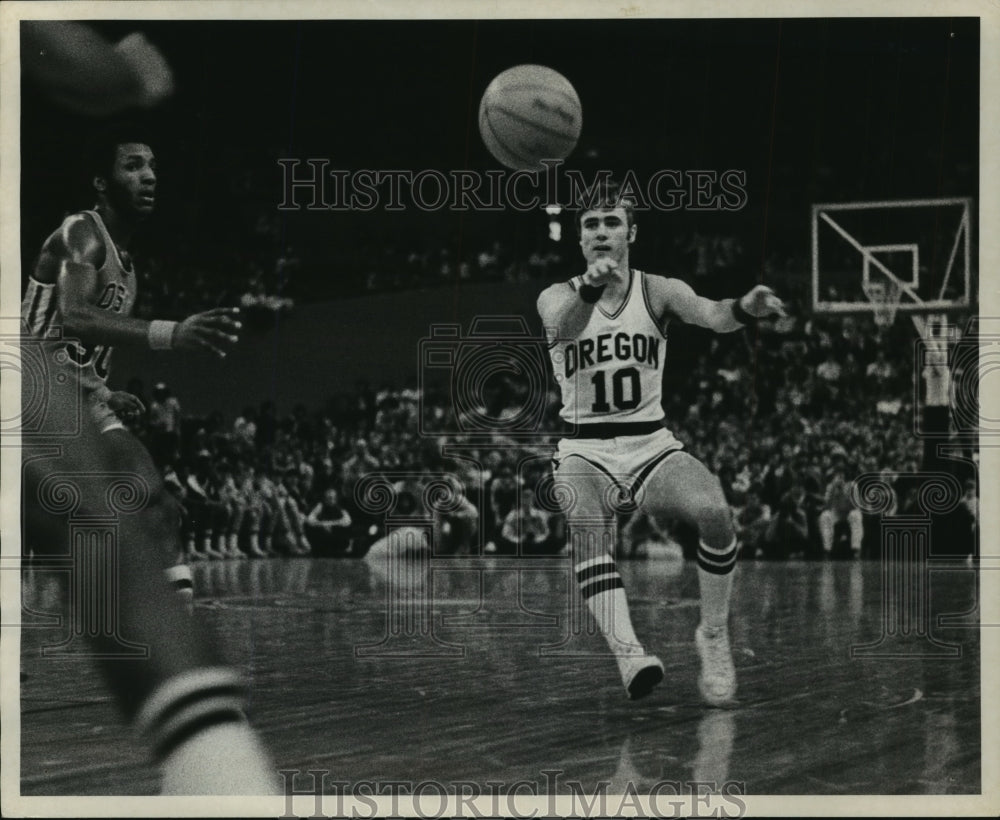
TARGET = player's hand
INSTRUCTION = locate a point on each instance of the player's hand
(601, 272)
(762, 303)
(216, 330)
(125, 404)
(149, 67)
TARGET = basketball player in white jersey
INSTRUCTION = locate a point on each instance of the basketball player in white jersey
(607, 331)
(187, 703)
(84, 286)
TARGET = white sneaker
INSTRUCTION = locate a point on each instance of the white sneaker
(640, 674)
(717, 681)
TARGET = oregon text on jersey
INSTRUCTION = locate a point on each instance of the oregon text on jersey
(642, 348)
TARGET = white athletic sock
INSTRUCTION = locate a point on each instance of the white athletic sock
(602, 589)
(195, 726)
(715, 579)
(180, 580)
(226, 758)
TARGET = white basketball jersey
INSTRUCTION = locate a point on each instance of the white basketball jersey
(116, 292)
(613, 370)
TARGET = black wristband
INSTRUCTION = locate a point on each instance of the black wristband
(741, 315)
(591, 293)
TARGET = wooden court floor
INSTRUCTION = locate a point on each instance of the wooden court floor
(483, 670)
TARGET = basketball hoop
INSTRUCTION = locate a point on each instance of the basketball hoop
(884, 295)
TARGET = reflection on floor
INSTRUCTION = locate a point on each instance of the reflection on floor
(479, 669)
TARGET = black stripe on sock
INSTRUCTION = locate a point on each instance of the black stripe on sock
(594, 570)
(179, 705)
(182, 583)
(715, 569)
(718, 557)
(189, 730)
(597, 587)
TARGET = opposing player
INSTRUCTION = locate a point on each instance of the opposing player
(188, 704)
(607, 338)
(84, 286)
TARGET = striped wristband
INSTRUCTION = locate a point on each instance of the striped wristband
(161, 334)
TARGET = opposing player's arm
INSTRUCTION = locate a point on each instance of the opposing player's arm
(674, 298)
(72, 257)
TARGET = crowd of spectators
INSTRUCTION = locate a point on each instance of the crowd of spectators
(786, 415)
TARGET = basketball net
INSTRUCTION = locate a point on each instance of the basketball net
(884, 294)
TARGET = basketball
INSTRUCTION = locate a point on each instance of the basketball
(530, 113)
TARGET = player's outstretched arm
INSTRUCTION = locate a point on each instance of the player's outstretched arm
(72, 256)
(672, 297)
(565, 307)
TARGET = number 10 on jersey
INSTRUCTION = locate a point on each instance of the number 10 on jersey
(626, 390)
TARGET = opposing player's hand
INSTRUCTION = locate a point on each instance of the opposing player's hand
(216, 330)
(602, 272)
(763, 303)
(125, 404)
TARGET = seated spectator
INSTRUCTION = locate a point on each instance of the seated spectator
(230, 497)
(458, 528)
(752, 522)
(503, 489)
(245, 430)
(208, 515)
(360, 464)
(788, 533)
(881, 370)
(839, 511)
(164, 425)
(328, 526)
(291, 520)
(525, 530)
(260, 515)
